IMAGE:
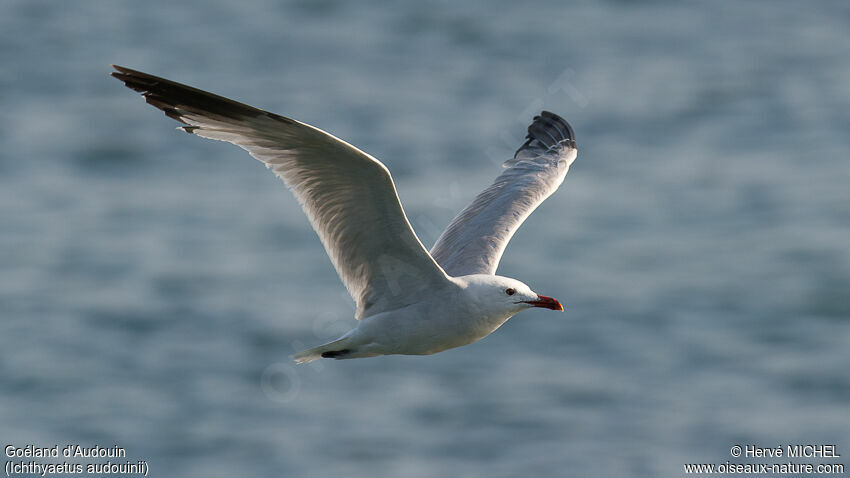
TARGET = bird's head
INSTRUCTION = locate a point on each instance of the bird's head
(506, 294)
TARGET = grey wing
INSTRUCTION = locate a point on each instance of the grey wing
(348, 195)
(476, 239)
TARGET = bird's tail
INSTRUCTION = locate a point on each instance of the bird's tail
(336, 349)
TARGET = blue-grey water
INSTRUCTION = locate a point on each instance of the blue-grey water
(153, 284)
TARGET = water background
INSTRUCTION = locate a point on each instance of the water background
(153, 284)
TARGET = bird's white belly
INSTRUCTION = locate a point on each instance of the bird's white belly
(422, 330)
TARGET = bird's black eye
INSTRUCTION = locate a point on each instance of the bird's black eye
(510, 291)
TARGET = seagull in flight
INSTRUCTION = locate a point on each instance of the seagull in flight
(409, 300)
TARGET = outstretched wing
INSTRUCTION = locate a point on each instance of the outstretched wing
(348, 195)
(475, 240)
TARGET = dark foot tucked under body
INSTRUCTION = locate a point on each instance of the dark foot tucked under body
(335, 353)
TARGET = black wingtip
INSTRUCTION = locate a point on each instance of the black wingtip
(551, 131)
(175, 99)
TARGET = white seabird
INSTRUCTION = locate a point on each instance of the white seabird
(409, 301)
